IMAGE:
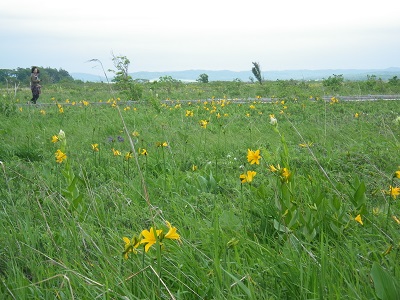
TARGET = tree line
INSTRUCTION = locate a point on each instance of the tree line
(21, 76)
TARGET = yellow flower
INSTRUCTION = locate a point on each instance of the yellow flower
(358, 219)
(273, 169)
(162, 144)
(130, 246)
(397, 174)
(42, 111)
(273, 120)
(356, 115)
(128, 155)
(60, 156)
(247, 177)
(149, 237)
(305, 145)
(116, 152)
(171, 234)
(394, 191)
(143, 151)
(194, 168)
(253, 157)
(95, 147)
(189, 113)
(135, 134)
(285, 174)
(54, 139)
(203, 123)
(396, 219)
(376, 210)
(85, 103)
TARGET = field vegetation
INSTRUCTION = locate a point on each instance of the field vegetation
(218, 190)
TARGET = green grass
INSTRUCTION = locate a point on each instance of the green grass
(62, 224)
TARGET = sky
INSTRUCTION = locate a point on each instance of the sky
(180, 35)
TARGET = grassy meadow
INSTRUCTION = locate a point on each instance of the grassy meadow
(296, 198)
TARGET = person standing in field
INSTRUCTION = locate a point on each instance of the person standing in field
(35, 86)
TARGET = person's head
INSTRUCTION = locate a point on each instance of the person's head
(35, 68)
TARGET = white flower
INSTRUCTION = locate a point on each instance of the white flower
(273, 120)
(61, 135)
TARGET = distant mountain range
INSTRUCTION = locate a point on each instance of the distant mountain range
(226, 75)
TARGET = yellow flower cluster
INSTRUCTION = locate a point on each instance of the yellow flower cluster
(284, 173)
(247, 177)
(253, 157)
(334, 100)
(204, 123)
(60, 154)
(162, 144)
(148, 238)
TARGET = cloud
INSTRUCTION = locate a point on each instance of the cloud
(172, 35)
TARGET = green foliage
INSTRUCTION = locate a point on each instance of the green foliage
(203, 78)
(333, 83)
(256, 70)
(123, 81)
(395, 81)
(22, 76)
(281, 236)
(7, 105)
(386, 286)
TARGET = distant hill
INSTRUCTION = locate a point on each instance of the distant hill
(226, 75)
(88, 77)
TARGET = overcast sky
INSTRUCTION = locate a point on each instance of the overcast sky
(208, 35)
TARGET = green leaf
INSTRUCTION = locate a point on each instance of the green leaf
(238, 282)
(359, 196)
(293, 220)
(280, 227)
(386, 286)
(212, 182)
(76, 202)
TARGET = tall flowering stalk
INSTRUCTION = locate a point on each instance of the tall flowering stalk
(203, 124)
(71, 192)
(253, 157)
(393, 193)
(143, 151)
(127, 158)
(163, 145)
(149, 238)
(284, 200)
(96, 153)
